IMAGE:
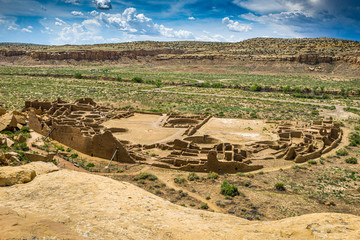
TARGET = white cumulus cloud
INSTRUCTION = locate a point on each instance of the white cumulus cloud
(77, 13)
(75, 2)
(60, 22)
(236, 26)
(86, 32)
(191, 18)
(102, 4)
(12, 28)
(27, 29)
(132, 22)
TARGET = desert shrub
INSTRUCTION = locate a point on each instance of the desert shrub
(25, 129)
(216, 85)
(74, 155)
(150, 81)
(212, 175)
(354, 139)
(137, 80)
(204, 205)
(253, 115)
(179, 180)
(342, 152)
(119, 79)
(68, 150)
(299, 166)
(297, 89)
(207, 197)
(314, 112)
(286, 89)
(312, 162)
(158, 192)
(158, 83)
(204, 84)
(280, 186)
(351, 160)
(8, 133)
(22, 146)
(247, 183)
(78, 75)
(255, 88)
(59, 148)
(89, 165)
(228, 189)
(145, 175)
(193, 176)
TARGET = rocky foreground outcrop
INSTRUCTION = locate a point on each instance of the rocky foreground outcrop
(97, 207)
(24, 173)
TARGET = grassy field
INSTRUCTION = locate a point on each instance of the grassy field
(17, 89)
(226, 76)
(218, 101)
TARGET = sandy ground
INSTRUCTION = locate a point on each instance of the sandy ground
(144, 129)
(237, 131)
(97, 207)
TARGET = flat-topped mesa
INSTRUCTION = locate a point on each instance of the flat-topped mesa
(307, 51)
(77, 125)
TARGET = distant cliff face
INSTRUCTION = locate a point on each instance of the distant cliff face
(308, 51)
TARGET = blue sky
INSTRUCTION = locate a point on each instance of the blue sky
(110, 21)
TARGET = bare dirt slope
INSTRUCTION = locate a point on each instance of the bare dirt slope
(101, 208)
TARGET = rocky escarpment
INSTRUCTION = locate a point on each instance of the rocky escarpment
(308, 51)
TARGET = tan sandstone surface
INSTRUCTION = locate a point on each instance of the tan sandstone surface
(97, 207)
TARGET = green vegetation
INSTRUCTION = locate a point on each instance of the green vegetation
(90, 165)
(179, 180)
(78, 75)
(212, 175)
(228, 189)
(255, 88)
(21, 147)
(354, 139)
(312, 162)
(193, 176)
(137, 80)
(342, 152)
(280, 186)
(74, 155)
(351, 160)
(145, 175)
(299, 167)
(204, 205)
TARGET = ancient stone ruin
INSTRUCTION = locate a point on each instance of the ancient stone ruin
(77, 125)
(82, 125)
